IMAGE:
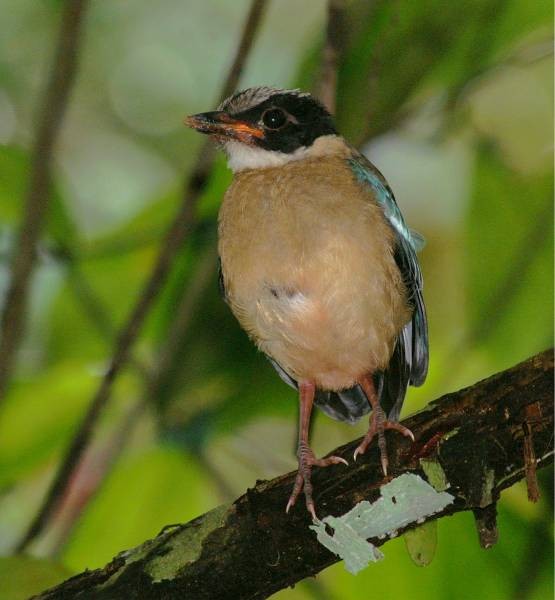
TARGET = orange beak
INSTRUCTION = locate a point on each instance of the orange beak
(221, 125)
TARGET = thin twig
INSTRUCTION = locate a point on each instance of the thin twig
(98, 314)
(204, 272)
(173, 241)
(98, 462)
(327, 88)
(52, 110)
(94, 308)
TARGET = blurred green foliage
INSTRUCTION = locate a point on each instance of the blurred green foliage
(452, 100)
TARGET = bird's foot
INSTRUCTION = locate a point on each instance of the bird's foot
(307, 460)
(378, 425)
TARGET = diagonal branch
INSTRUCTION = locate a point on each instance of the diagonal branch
(251, 548)
(171, 245)
(51, 114)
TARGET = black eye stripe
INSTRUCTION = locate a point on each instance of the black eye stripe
(305, 121)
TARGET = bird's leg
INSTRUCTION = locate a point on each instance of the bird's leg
(378, 424)
(305, 455)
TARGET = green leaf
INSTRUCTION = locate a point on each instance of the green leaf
(399, 46)
(14, 180)
(520, 18)
(38, 418)
(144, 493)
(25, 576)
(421, 543)
(71, 331)
(13, 170)
(509, 259)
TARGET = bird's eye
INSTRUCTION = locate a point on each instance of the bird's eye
(274, 118)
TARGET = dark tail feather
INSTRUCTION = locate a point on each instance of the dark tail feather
(347, 405)
(394, 381)
(419, 342)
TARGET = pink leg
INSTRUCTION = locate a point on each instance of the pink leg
(378, 424)
(305, 455)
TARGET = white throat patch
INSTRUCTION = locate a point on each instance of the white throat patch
(241, 157)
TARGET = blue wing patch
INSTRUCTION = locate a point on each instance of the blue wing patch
(366, 173)
(409, 363)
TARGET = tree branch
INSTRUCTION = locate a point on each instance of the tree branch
(51, 114)
(171, 245)
(251, 548)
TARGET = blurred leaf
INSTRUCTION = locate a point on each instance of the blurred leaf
(509, 259)
(148, 226)
(421, 543)
(14, 180)
(399, 46)
(218, 183)
(144, 229)
(520, 18)
(114, 282)
(38, 418)
(24, 576)
(13, 170)
(395, 48)
(143, 493)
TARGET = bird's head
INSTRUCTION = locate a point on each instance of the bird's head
(262, 127)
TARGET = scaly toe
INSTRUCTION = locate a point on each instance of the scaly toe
(312, 510)
(330, 460)
(363, 446)
(400, 428)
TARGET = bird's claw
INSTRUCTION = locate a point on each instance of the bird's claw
(307, 460)
(378, 425)
(330, 460)
(385, 463)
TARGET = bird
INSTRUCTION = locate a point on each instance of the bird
(318, 266)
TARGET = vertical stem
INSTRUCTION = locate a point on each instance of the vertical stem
(327, 88)
(51, 114)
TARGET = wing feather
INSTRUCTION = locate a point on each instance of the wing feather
(409, 362)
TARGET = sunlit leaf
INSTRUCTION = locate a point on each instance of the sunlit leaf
(14, 182)
(400, 45)
(73, 330)
(509, 259)
(421, 543)
(38, 418)
(24, 576)
(144, 493)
